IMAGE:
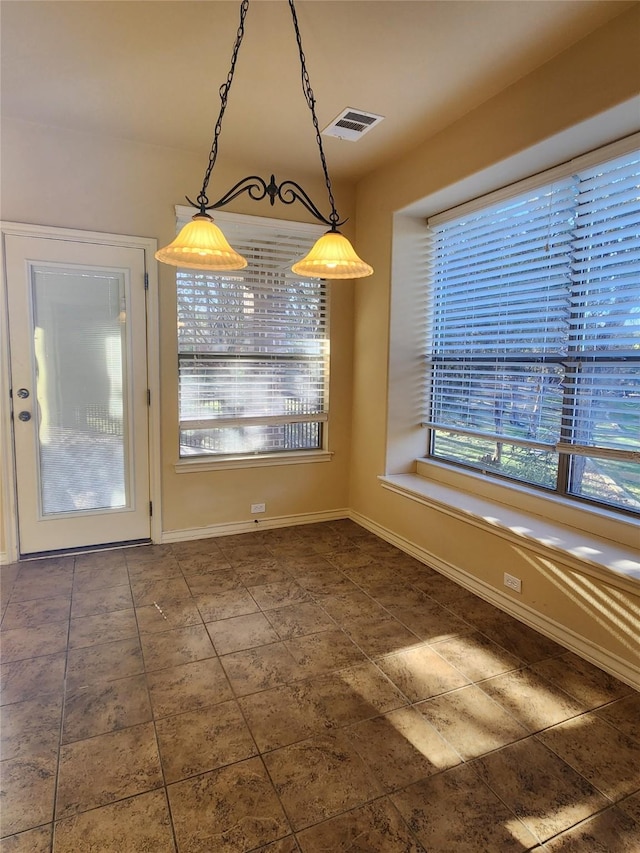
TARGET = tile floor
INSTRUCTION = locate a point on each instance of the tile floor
(311, 689)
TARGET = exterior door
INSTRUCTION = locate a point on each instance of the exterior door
(77, 338)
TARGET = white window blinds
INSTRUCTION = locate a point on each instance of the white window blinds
(253, 348)
(534, 341)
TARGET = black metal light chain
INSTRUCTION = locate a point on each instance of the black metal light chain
(311, 102)
(203, 201)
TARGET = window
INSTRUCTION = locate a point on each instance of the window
(534, 335)
(253, 347)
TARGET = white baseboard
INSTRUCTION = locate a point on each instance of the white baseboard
(231, 528)
(574, 642)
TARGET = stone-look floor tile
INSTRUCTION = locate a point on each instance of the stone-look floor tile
(302, 562)
(320, 583)
(432, 623)
(31, 728)
(214, 583)
(187, 687)
(28, 679)
(373, 827)
(355, 693)
(519, 639)
(204, 740)
(421, 673)
(395, 591)
(225, 605)
(476, 656)
(23, 643)
(381, 636)
(201, 564)
(471, 722)
(103, 628)
(624, 715)
(241, 632)
(297, 620)
(586, 683)
(401, 747)
(96, 601)
(106, 768)
(228, 810)
(104, 561)
(602, 754)
(162, 569)
(284, 845)
(542, 790)
(531, 699)
(175, 614)
(27, 789)
(265, 571)
(353, 606)
(159, 592)
(239, 555)
(41, 611)
(146, 554)
(140, 823)
(170, 648)
(105, 662)
(631, 806)
(324, 652)
(36, 840)
(442, 589)
(270, 596)
(100, 578)
(31, 588)
(352, 558)
(456, 811)
(607, 832)
(320, 777)
(470, 607)
(195, 547)
(260, 668)
(282, 715)
(105, 707)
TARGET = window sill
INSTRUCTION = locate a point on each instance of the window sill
(198, 465)
(616, 562)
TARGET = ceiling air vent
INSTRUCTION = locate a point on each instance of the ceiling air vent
(352, 124)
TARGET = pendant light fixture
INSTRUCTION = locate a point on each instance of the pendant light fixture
(202, 245)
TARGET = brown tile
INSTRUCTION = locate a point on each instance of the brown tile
(140, 823)
(631, 806)
(225, 605)
(476, 656)
(242, 554)
(105, 662)
(23, 643)
(103, 628)
(302, 562)
(27, 791)
(228, 810)
(319, 778)
(299, 619)
(36, 840)
(531, 699)
(282, 715)
(421, 673)
(147, 554)
(214, 583)
(30, 587)
(260, 668)
(373, 827)
(350, 607)
(187, 687)
(203, 740)
(100, 578)
(607, 832)
(28, 679)
(284, 845)
(170, 648)
(471, 608)
(392, 591)
(456, 811)
(587, 683)
(442, 589)
(355, 693)
(106, 768)
(323, 652)
(272, 595)
(544, 792)
(603, 755)
(196, 547)
(241, 632)
(31, 728)
(321, 583)
(103, 561)
(263, 572)
(400, 748)
(200, 564)
(381, 636)
(95, 601)
(471, 722)
(164, 568)
(432, 623)
(159, 592)
(350, 558)
(42, 611)
(624, 715)
(175, 614)
(105, 707)
(519, 639)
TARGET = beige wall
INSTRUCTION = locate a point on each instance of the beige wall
(58, 178)
(593, 76)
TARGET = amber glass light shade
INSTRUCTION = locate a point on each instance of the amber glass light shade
(332, 256)
(201, 245)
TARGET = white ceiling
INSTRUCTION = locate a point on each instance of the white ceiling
(150, 71)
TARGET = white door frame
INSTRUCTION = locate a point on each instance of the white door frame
(7, 464)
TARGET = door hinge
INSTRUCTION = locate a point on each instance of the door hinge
(150, 508)
(146, 281)
(148, 396)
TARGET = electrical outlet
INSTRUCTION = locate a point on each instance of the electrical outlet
(258, 507)
(512, 582)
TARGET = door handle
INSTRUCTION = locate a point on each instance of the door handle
(24, 416)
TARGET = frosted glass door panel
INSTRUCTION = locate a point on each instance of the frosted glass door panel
(79, 340)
